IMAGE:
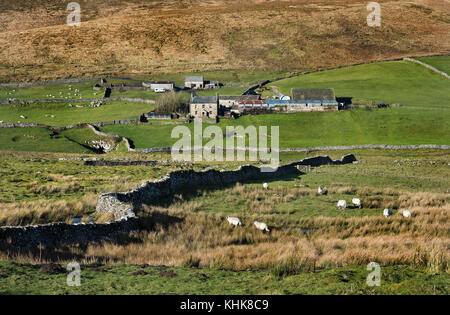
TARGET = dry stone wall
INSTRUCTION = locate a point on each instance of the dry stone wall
(63, 234)
(124, 204)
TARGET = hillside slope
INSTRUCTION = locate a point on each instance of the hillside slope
(118, 37)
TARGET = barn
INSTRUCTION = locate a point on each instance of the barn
(194, 82)
(160, 85)
(230, 100)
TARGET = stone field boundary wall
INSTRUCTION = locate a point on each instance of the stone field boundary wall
(124, 204)
(324, 148)
(428, 67)
(63, 234)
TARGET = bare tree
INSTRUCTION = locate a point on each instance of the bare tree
(172, 102)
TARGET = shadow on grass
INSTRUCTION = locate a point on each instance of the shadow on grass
(189, 193)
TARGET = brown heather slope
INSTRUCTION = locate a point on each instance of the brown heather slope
(142, 37)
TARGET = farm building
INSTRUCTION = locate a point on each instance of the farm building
(230, 100)
(293, 106)
(212, 84)
(160, 116)
(194, 82)
(125, 86)
(160, 85)
(249, 106)
(204, 106)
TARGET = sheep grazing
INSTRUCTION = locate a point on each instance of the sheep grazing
(356, 202)
(342, 204)
(406, 213)
(234, 221)
(261, 226)
(387, 213)
(266, 186)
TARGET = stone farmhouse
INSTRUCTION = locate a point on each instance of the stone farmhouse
(204, 106)
(194, 82)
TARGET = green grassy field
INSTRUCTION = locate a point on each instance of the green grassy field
(59, 91)
(37, 139)
(396, 126)
(65, 115)
(18, 278)
(391, 82)
(150, 95)
(440, 63)
(21, 168)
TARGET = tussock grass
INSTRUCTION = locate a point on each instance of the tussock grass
(207, 241)
(41, 212)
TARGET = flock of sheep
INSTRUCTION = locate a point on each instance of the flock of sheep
(76, 93)
(341, 204)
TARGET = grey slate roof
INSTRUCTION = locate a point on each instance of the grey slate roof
(239, 97)
(194, 79)
(313, 94)
(203, 99)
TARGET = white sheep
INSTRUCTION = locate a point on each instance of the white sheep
(320, 190)
(234, 221)
(342, 204)
(261, 226)
(356, 202)
(406, 213)
(387, 213)
(266, 186)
